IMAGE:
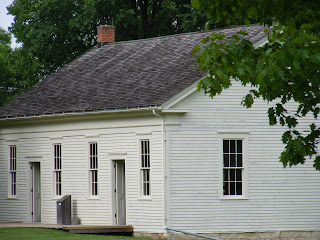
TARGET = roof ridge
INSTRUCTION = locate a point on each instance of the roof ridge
(176, 34)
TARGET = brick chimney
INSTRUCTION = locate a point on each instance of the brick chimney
(105, 34)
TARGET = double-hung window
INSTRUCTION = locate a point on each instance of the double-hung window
(13, 171)
(93, 168)
(145, 167)
(57, 169)
(233, 167)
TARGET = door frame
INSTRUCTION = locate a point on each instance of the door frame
(30, 216)
(114, 200)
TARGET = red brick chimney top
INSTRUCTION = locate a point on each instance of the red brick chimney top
(105, 34)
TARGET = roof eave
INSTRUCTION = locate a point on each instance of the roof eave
(79, 114)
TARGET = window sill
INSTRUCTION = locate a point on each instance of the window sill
(12, 198)
(93, 198)
(233, 198)
(145, 198)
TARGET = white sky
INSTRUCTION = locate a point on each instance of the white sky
(6, 20)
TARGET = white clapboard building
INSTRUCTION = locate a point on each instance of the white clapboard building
(124, 131)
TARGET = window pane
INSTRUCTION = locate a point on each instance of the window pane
(95, 189)
(239, 175)
(13, 183)
(239, 146)
(239, 188)
(147, 189)
(226, 160)
(225, 175)
(142, 147)
(232, 160)
(239, 160)
(148, 161)
(232, 174)
(95, 177)
(14, 189)
(143, 160)
(232, 146)
(225, 146)
(232, 188)
(148, 175)
(225, 188)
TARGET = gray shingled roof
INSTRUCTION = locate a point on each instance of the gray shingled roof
(140, 73)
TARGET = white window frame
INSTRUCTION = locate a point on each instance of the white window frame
(229, 135)
(57, 169)
(12, 184)
(93, 161)
(145, 168)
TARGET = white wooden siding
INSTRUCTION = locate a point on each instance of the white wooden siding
(278, 198)
(18, 209)
(112, 136)
(11, 209)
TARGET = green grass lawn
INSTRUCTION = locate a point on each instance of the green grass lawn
(49, 234)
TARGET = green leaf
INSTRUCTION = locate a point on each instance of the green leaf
(248, 101)
(242, 32)
(316, 164)
(251, 12)
(272, 116)
(195, 50)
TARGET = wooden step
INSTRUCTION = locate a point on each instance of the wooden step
(121, 230)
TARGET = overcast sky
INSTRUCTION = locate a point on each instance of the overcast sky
(5, 20)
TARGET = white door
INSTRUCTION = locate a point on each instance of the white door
(35, 192)
(120, 192)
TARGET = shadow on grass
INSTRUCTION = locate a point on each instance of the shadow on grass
(21, 233)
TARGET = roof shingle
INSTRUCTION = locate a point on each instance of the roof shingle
(130, 74)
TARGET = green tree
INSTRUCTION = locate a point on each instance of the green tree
(56, 31)
(18, 72)
(6, 82)
(286, 69)
(47, 32)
